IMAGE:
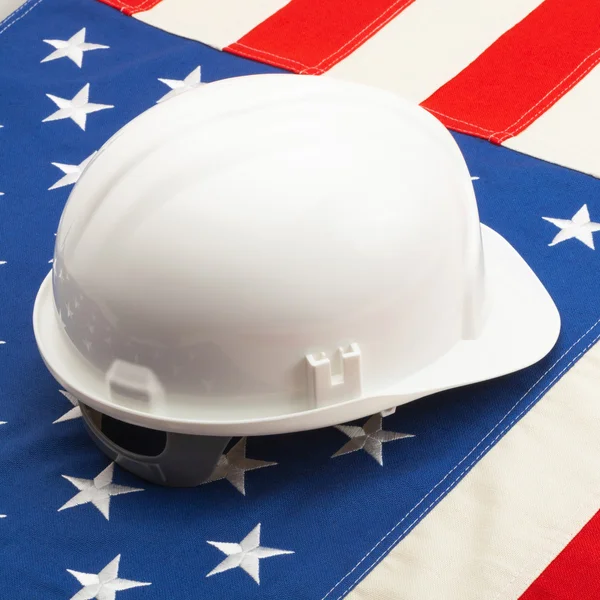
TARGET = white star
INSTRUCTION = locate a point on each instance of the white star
(77, 108)
(104, 585)
(369, 438)
(2, 262)
(72, 172)
(72, 48)
(474, 178)
(233, 466)
(245, 555)
(180, 86)
(2, 516)
(74, 413)
(579, 227)
(98, 491)
(2, 342)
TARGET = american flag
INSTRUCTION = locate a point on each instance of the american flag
(521, 73)
(484, 492)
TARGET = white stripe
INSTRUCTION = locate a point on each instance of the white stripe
(429, 43)
(513, 513)
(567, 133)
(217, 23)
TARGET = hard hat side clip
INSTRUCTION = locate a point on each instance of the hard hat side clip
(327, 387)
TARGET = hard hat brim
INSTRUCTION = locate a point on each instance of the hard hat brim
(522, 326)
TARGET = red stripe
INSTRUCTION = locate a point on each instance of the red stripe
(523, 73)
(310, 36)
(130, 7)
(575, 573)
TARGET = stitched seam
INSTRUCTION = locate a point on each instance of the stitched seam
(371, 32)
(363, 34)
(468, 467)
(143, 5)
(552, 99)
(18, 18)
(490, 131)
(152, 4)
(507, 129)
(147, 5)
(368, 29)
(465, 458)
(503, 135)
(289, 60)
(120, 5)
(253, 56)
(549, 552)
(15, 12)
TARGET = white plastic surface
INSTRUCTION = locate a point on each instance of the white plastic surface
(336, 378)
(226, 235)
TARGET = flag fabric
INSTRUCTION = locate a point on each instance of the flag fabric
(524, 522)
(488, 491)
(521, 73)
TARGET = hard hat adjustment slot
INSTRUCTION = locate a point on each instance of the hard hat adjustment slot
(133, 438)
(335, 379)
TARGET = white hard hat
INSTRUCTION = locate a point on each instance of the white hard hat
(275, 253)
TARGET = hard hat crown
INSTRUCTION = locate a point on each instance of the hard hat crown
(233, 245)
